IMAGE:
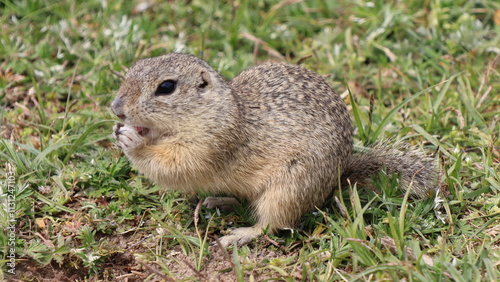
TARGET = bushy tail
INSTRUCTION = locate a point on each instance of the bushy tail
(417, 170)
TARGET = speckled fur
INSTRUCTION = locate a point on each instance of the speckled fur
(276, 135)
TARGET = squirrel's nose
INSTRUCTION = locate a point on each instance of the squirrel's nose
(117, 108)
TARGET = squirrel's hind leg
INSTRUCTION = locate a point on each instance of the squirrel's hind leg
(275, 209)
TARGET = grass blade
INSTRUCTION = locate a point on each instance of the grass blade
(388, 117)
(357, 116)
(82, 137)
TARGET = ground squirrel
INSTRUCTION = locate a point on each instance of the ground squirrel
(276, 135)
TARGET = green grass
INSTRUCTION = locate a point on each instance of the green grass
(426, 72)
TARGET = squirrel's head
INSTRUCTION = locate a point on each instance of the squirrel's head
(174, 94)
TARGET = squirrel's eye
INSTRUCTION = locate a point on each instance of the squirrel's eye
(165, 88)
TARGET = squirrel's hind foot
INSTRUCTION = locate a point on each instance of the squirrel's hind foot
(241, 236)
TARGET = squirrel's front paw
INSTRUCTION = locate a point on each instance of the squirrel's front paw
(127, 137)
(222, 203)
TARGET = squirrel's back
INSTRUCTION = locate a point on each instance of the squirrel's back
(292, 109)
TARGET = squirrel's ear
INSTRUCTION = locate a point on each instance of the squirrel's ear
(206, 81)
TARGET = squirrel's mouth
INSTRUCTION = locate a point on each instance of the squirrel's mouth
(142, 130)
